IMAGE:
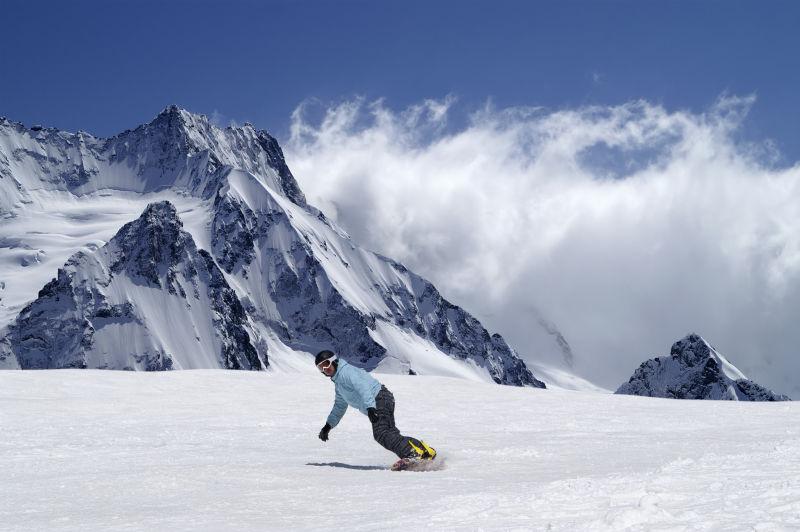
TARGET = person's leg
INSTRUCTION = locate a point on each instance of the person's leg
(385, 431)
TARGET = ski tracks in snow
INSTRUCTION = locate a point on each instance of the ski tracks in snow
(220, 450)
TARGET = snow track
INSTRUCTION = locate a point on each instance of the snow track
(222, 450)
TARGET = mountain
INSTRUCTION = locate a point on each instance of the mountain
(178, 150)
(695, 370)
(147, 300)
(303, 284)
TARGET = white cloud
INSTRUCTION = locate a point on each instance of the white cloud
(626, 226)
(221, 120)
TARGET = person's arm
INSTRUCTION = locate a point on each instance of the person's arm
(338, 410)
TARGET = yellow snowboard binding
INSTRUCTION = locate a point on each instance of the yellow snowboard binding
(420, 460)
(424, 451)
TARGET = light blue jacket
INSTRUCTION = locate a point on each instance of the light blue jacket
(354, 387)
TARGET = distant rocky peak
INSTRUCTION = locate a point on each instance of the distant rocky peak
(170, 130)
(151, 245)
(181, 121)
(695, 370)
(692, 350)
(158, 220)
(176, 135)
(177, 150)
(173, 110)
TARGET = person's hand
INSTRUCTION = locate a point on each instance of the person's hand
(323, 434)
(372, 414)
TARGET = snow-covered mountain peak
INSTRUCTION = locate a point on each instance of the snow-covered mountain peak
(173, 124)
(234, 147)
(695, 370)
(147, 300)
(179, 128)
(177, 150)
(157, 218)
(159, 214)
(174, 110)
(692, 349)
(152, 245)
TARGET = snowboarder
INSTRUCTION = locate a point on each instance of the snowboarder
(357, 388)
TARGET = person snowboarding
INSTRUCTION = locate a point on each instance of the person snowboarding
(357, 388)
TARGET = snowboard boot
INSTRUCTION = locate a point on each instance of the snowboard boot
(423, 451)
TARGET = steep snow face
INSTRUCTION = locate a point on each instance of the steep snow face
(308, 281)
(695, 370)
(178, 150)
(300, 278)
(148, 300)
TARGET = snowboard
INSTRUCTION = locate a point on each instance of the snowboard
(416, 464)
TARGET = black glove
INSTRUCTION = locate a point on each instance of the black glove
(372, 414)
(323, 434)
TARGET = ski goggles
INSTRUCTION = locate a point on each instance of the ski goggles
(325, 364)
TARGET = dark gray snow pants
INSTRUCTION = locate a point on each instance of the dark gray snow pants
(385, 431)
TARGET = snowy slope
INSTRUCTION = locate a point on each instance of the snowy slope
(223, 450)
(557, 376)
(36, 242)
(304, 278)
(695, 370)
(301, 279)
(147, 300)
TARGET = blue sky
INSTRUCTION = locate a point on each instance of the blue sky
(107, 66)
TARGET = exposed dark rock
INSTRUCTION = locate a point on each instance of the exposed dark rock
(59, 328)
(695, 370)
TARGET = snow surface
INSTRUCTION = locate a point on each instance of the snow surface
(406, 351)
(59, 224)
(225, 450)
